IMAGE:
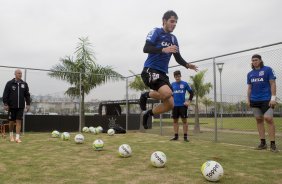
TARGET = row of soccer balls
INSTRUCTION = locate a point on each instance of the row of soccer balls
(211, 170)
(91, 129)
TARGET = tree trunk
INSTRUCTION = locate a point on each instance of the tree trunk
(82, 110)
(197, 123)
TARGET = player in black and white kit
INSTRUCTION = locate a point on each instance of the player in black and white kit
(15, 96)
(160, 45)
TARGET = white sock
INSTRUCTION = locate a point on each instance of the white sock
(17, 136)
(11, 134)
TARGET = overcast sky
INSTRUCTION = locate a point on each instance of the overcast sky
(37, 33)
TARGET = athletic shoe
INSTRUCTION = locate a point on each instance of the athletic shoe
(174, 139)
(18, 141)
(12, 139)
(186, 140)
(145, 119)
(143, 101)
(273, 148)
(261, 146)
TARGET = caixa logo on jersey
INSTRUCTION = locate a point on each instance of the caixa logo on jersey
(166, 44)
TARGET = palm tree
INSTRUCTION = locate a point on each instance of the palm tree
(200, 89)
(137, 84)
(92, 74)
(207, 102)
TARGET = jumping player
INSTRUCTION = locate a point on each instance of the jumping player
(160, 45)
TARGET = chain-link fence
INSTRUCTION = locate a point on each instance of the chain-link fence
(223, 115)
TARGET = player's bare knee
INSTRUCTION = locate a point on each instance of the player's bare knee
(268, 120)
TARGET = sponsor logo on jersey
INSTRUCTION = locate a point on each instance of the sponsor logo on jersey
(166, 44)
(257, 80)
(178, 91)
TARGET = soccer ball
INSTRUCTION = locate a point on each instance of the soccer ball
(85, 129)
(98, 144)
(65, 136)
(158, 159)
(212, 170)
(111, 131)
(124, 150)
(100, 129)
(79, 138)
(55, 134)
(95, 131)
(91, 129)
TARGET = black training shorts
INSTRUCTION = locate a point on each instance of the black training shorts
(179, 111)
(262, 105)
(15, 114)
(154, 79)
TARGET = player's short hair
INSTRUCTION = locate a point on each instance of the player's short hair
(258, 57)
(169, 14)
(177, 72)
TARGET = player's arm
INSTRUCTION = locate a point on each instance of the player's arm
(151, 49)
(249, 94)
(27, 98)
(182, 62)
(188, 102)
(272, 102)
(6, 96)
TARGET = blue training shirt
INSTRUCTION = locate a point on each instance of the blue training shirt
(179, 91)
(260, 85)
(160, 39)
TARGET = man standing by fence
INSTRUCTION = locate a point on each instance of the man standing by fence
(180, 105)
(16, 94)
(261, 97)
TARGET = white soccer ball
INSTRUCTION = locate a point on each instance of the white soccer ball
(124, 150)
(55, 134)
(212, 170)
(95, 131)
(79, 138)
(158, 159)
(65, 136)
(100, 129)
(111, 131)
(98, 144)
(91, 129)
(85, 129)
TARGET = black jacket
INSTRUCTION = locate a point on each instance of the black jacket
(16, 94)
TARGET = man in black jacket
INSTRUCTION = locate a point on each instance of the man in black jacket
(15, 96)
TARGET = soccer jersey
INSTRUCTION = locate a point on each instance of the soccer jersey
(179, 91)
(160, 39)
(259, 81)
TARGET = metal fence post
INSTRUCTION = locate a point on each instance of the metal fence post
(127, 105)
(215, 102)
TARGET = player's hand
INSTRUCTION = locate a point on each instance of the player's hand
(272, 103)
(187, 103)
(27, 108)
(6, 107)
(192, 67)
(170, 49)
(248, 104)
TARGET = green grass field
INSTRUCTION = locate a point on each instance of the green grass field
(241, 131)
(42, 159)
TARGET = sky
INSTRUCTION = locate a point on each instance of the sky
(37, 33)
